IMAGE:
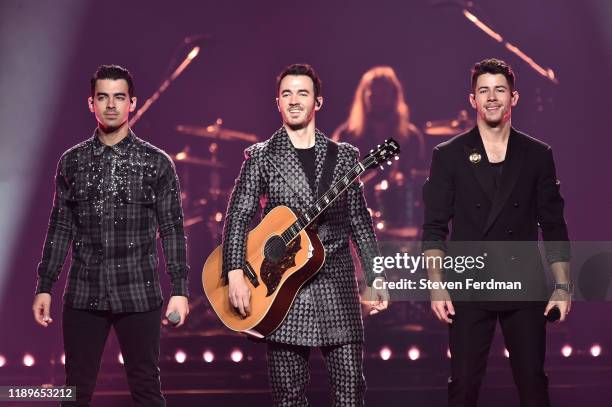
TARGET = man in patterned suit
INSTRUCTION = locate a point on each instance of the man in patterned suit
(113, 192)
(287, 170)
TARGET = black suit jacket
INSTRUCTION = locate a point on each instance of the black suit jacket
(528, 198)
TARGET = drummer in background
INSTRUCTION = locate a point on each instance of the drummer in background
(379, 111)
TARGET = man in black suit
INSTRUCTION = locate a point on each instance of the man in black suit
(496, 186)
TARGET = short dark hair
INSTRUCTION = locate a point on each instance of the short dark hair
(493, 66)
(114, 72)
(301, 69)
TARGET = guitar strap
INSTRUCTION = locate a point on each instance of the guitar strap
(327, 175)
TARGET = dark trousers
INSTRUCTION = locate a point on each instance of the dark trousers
(85, 334)
(471, 334)
(289, 374)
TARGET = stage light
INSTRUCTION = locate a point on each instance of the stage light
(2, 360)
(120, 358)
(385, 353)
(63, 359)
(595, 350)
(566, 351)
(208, 356)
(448, 353)
(414, 353)
(506, 353)
(236, 355)
(28, 360)
(180, 356)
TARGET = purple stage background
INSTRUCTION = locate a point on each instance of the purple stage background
(49, 53)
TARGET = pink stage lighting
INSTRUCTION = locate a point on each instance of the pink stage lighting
(28, 360)
(414, 353)
(566, 351)
(385, 353)
(208, 356)
(595, 350)
(180, 356)
(236, 355)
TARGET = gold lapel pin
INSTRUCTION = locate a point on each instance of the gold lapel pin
(475, 158)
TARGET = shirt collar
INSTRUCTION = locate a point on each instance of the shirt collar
(120, 148)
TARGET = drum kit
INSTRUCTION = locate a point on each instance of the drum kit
(390, 221)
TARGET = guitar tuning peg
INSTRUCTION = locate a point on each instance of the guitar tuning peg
(378, 145)
(371, 150)
(396, 157)
(389, 162)
(382, 168)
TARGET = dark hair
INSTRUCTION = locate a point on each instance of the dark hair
(112, 72)
(301, 69)
(493, 66)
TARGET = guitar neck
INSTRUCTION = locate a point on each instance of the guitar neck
(322, 203)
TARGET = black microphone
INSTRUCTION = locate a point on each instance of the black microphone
(553, 315)
(174, 317)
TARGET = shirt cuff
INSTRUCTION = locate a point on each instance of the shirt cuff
(557, 251)
(44, 285)
(180, 286)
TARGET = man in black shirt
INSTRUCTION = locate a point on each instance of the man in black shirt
(497, 187)
(113, 193)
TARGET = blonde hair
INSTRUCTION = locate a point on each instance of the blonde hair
(356, 123)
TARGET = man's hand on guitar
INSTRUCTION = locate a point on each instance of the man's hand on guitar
(239, 292)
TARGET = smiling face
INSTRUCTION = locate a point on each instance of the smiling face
(111, 103)
(296, 101)
(493, 99)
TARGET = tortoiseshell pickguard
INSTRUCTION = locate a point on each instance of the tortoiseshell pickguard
(271, 273)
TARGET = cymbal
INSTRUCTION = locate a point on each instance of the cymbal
(185, 157)
(449, 127)
(215, 131)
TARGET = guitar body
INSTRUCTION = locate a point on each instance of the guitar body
(278, 281)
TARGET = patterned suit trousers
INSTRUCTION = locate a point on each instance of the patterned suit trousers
(289, 375)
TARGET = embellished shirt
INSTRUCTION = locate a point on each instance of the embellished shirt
(110, 203)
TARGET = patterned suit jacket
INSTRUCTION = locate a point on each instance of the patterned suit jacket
(326, 310)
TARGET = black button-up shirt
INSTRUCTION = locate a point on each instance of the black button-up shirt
(110, 202)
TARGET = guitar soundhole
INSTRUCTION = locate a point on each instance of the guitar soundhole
(278, 258)
(274, 250)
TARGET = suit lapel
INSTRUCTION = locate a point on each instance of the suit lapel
(476, 157)
(510, 173)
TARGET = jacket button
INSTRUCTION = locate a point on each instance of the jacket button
(478, 205)
(509, 231)
(516, 205)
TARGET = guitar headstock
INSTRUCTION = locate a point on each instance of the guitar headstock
(385, 152)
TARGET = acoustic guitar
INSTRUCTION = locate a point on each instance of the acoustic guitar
(282, 254)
